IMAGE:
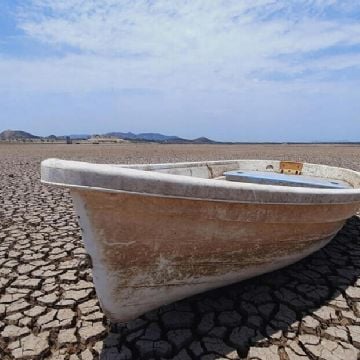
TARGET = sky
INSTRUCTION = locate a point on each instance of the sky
(234, 70)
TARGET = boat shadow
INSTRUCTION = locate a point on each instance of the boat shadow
(266, 315)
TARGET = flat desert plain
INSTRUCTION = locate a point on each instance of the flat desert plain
(48, 305)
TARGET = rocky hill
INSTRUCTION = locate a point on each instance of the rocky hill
(16, 135)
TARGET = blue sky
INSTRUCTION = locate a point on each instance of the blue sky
(241, 70)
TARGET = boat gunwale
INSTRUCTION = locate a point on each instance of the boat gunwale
(147, 176)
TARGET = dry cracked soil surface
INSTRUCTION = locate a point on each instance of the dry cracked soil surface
(48, 305)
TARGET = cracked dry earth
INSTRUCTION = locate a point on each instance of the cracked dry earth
(48, 305)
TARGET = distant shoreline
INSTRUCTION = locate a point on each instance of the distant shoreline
(20, 136)
(128, 142)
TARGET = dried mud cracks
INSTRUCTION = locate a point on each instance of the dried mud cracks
(49, 310)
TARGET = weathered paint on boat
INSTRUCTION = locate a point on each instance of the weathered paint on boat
(159, 233)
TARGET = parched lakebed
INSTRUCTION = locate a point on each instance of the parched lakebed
(48, 305)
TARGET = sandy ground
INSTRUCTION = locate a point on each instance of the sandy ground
(49, 309)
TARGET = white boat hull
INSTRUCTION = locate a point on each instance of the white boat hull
(150, 249)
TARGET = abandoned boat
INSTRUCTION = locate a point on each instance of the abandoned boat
(159, 233)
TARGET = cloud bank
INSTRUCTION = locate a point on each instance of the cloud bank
(210, 61)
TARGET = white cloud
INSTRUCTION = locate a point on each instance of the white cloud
(187, 45)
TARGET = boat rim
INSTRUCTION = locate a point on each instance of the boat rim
(139, 179)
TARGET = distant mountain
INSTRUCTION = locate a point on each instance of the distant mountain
(143, 136)
(17, 135)
(200, 140)
(203, 140)
(156, 137)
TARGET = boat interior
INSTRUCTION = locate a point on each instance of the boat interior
(267, 172)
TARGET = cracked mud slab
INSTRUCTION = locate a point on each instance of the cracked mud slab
(48, 305)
